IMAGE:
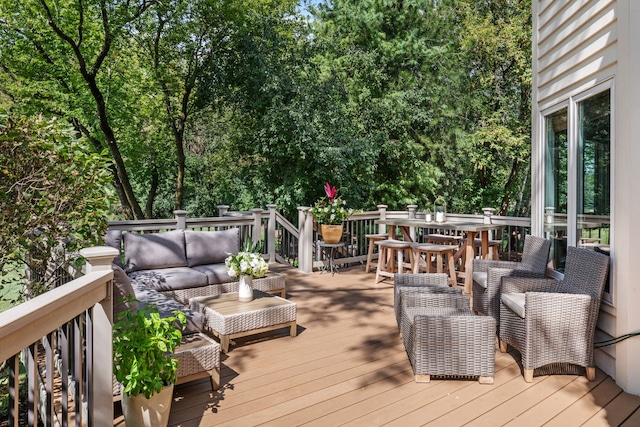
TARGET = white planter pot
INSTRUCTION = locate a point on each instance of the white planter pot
(139, 411)
(245, 288)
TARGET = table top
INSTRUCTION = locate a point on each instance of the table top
(448, 225)
(228, 304)
(330, 245)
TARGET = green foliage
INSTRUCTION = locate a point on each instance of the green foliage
(53, 193)
(143, 346)
(246, 103)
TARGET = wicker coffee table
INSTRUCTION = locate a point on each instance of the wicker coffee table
(228, 318)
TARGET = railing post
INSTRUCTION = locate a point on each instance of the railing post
(305, 242)
(271, 234)
(181, 219)
(256, 229)
(222, 210)
(100, 258)
(382, 210)
(412, 215)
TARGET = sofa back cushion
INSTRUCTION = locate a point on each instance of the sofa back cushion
(121, 290)
(211, 247)
(113, 238)
(154, 250)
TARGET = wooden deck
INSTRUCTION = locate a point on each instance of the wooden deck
(347, 366)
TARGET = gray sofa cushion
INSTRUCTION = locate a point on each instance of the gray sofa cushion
(211, 247)
(169, 279)
(216, 273)
(121, 290)
(166, 306)
(113, 238)
(154, 250)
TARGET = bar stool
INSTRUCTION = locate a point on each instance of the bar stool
(443, 239)
(493, 247)
(442, 254)
(387, 251)
(373, 238)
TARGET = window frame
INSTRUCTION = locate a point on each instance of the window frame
(571, 104)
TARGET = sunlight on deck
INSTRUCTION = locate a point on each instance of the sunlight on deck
(347, 366)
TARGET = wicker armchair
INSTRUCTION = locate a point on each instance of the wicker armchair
(552, 323)
(442, 337)
(488, 273)
(421, 282)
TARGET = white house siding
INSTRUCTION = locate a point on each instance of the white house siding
(578, 45)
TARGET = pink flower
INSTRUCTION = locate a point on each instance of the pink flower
(330, 191)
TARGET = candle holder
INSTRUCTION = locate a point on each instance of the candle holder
(440, 209)
(487, 214)
(428, 216)
(549, 212)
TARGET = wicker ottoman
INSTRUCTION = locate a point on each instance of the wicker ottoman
(198, 357)
(228, 318)
(446, 341)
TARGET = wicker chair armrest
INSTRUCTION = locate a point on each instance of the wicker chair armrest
(495, 275)
(469, 325)
(526, 284)
(483, 265)
(550, 307)
(452, 300)
(421, 279)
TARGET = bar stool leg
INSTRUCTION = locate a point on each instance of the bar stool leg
(382, 255)
(452, 268)
(370, 255)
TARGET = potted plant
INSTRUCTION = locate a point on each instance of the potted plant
(143, 362)
(247, 265)
(330, 212)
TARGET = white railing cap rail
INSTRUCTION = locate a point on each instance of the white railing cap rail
(26, 323)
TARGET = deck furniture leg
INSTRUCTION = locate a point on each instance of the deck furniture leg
(422, 378)
(293, 329)
(485, 380)
(503, 346)
(528, 375)
(224, 343)
(591, 373)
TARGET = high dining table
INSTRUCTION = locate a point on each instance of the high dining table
(472, 229)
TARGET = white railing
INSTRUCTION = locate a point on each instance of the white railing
(54, 336)
(286, 244)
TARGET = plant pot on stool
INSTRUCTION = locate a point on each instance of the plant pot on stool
(331, 233)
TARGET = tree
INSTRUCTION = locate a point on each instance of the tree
(53, 192)
(55, 59)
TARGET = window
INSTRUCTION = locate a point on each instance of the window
(577, 180)
(556, 169)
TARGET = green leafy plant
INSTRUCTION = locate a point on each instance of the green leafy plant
(143, 346)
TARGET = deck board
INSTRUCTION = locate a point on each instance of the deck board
(347, 366)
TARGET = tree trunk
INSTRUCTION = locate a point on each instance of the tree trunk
(506, 199)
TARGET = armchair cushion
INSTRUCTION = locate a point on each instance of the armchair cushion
(480, 277)
(515, 301)
(154, 250)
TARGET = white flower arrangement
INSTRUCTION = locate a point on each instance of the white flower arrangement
(246, 263)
